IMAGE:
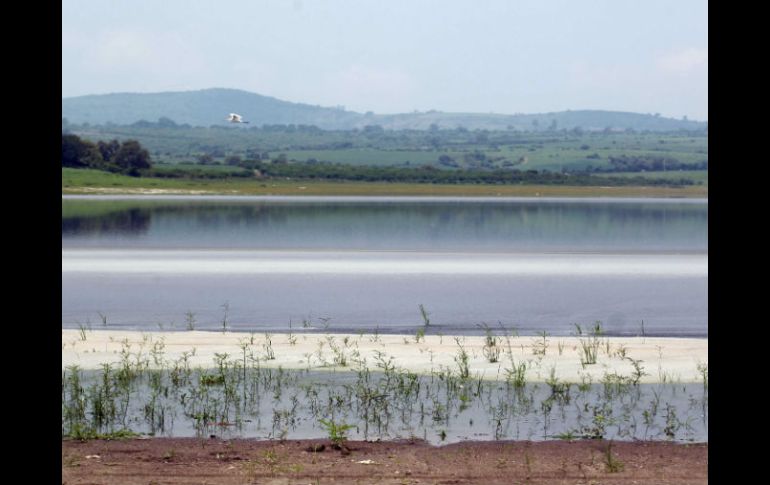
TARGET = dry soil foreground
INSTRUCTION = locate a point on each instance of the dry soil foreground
(216, 462)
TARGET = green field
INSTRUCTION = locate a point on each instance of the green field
(276, 159)
(367, 156)
(553, 157)
(554, 151)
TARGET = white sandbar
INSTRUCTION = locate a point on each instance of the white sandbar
(194, 262)
(662, 359)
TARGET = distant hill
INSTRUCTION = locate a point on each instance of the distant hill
(210, 107)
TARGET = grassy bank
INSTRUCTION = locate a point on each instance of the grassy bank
(97, 182)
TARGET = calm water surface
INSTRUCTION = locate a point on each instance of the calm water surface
(350, 264)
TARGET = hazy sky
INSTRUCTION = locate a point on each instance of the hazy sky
(390, 56)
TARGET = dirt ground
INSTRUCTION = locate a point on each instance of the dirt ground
(217, 462)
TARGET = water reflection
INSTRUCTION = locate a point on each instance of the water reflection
(369, 264)
(127, 222)
(446, 225)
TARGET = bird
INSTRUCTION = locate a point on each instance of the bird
(235, 118)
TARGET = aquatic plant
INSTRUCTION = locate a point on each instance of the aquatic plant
(226, 310)
(589, 347)
(82, 332)
(491, 349)
(337, 432)
(190, 320)
(268, 347)
(145, 390)
(462, 360)
(424, 313)
(539, 347)
(703, 370)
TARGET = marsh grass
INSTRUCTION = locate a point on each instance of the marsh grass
(190, 320)
(337, 432)
(290, 337)
(638, 373)
(226, 311)
(540, 346)
(515, 373)
(267, 346)
(146, 391)
(703, 370)
(462, 360)
(425, 315)
(82, 332)
(589, 347)
(491, 349)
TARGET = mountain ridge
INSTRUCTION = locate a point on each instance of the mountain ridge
(210, 106)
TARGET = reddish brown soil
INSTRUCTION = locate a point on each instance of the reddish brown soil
(217, 462)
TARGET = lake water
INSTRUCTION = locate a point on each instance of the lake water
(360, 264)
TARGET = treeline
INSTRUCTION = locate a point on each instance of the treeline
(649, 163)
(198, 172)
(127, 157)
(429, 174)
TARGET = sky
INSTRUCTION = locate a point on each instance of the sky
(397, 56)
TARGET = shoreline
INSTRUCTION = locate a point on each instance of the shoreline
(219, 462)
(664, 359)
(313, 188)
(377, 198)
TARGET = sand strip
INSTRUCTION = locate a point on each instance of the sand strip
(660, 359)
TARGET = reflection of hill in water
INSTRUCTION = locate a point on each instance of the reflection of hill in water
(397, 225)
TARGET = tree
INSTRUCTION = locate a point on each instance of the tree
(79, 153)
(554, 124)
(205, 159)
(108, 149)
(447, 161)
(131, 158)
(234, 160)
(253, 154)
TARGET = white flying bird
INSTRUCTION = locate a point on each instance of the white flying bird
(234, 118)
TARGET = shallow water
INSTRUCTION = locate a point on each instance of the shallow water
(291, 404)
(360, 264)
